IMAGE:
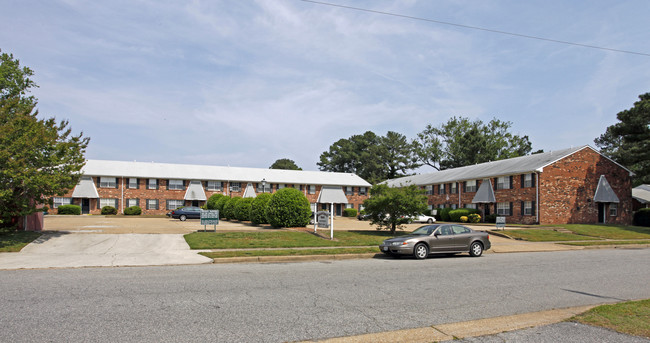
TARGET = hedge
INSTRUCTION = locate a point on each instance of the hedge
(443, 214)
(109, 210)
(288, 208)
(455, 215)
(133, 211)
(69, 209)
(491, 218)
(258, 209)
(243, 209)
(642, 217)
(229, 208)
(220, 204)
(211, 204)
(349, 212)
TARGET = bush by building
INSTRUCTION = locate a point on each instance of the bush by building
(642, 217)
(474, 218)
(443, 214)
(491, 218)
(133, 211)
(350, 212)
(258, 209)
(69, 209)
(109, 210)
(288, 208)
(211, 204)
(454, 215)
(243, 209)
(229, 208)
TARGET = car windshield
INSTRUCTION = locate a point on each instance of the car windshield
(425, 230)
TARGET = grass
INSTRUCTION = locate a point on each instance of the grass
(283, 239)
(585, 244)
(632, 317)
(15, 241)
(289, 252)
(545, 235)
(610, 231)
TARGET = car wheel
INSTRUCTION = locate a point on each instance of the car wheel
(476, 249)
(430, 221)
(421, 251)
(182, 217)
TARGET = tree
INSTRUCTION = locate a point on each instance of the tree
(39, 158)
(285, 163)
(461, 142)
(373, 158)
(390, 207)
(288, 207)
(628, 141)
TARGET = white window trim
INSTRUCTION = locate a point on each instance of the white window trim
(503, 209)
(152, 183)
(173, 184)
(134, 184)
(107, 182)
(613, 210)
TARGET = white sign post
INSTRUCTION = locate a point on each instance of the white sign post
(332, 226)
(210, 217)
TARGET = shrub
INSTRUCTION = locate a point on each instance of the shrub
(109, 210)
(288, 208)
(258, 209)
(463, 219)
(212, 201)
(642, 217)
(474, 218)
(243, 209)
(220, 204)
(455, 215)
(133, 211)
(69, 209)
(444, 214)
(491, 218)
(350, 212)
(229, 208)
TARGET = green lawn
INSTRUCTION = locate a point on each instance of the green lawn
(283, 239)
(584, 244)
(15, 241)
(610, 231)
(632, 317)
(289, 252)
(545, 235)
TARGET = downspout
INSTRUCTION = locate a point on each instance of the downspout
(537, 196)
(459, 193)
(122, 198)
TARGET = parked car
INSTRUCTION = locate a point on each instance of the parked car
(438, 239)
(363, 216)
(183, 213)
(423, 219)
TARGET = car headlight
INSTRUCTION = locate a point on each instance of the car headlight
(398, 243)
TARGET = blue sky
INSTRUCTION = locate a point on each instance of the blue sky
(246, 82)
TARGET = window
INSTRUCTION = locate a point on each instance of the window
(312, 189)
(132, 202)
(363, 191)
(349, 205)
(174, 204)
(528, 208)
(441, 189)
(107, 182)
(235, 186)
(428, 190)
(175, 184)
(133, 183)
(503, 182)
(152, 204)
(458, 230)
(349, 190)
(452, 188)
(454, 206)
(152, 184)
(280, 185)
(527, 180)
(470, 186)
(263, 188)
(56, 202)
(215, 186)
(470, 206)
(107, 202)
(503, 209)
(613, 210)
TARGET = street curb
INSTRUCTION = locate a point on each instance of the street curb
(473, 328)
(284, 259)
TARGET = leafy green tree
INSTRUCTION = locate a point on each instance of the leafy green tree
(461, 142)
(390, 208)
(229, 208)
(288, 207)
(39, 158)
(628, 141)
(258, 209)
(374, 158)
(243, 209)
(211, 204)
(285, 163)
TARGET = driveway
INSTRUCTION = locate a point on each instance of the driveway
(65, 250)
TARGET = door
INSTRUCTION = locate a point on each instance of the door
(85, 206)
(601, 213)
(442, 241)
(339, 210)
(195, 203)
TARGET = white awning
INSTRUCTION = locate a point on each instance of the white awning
(249, 192)
(485, 194)
(85, 189)
(332, 195)
(195, 192)
(604, 192)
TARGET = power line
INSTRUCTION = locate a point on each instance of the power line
(477, 28)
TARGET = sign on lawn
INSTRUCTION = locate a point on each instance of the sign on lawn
(209, 217)
(323, 219)
(501, 223)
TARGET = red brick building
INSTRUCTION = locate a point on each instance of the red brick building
(576, 185)
(158, 188)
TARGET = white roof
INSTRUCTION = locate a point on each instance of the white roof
(641, 193)
(216, 173)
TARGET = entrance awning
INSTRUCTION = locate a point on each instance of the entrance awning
(604, 192)
(249, 192)
(85, 188)
(485, 194)
(195, 191)
(332, 195)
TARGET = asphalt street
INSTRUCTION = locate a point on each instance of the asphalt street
(300, 301)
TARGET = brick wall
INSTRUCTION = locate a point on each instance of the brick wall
(567, 188)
